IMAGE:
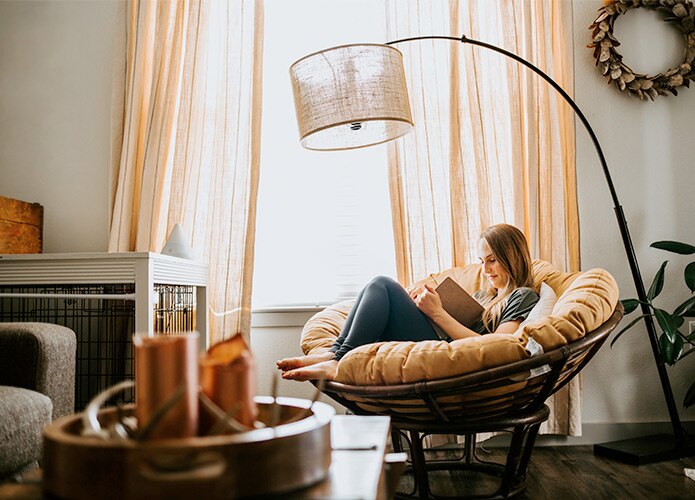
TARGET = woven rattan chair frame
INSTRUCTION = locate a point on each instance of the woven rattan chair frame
(510, 397)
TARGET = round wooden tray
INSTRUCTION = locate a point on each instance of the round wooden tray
(265, 461)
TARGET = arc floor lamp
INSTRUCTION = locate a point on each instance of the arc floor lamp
(354, 96)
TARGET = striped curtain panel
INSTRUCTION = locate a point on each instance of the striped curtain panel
(492, 142)
(186, 141)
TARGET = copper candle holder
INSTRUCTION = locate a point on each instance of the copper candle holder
(227, 378)
(166, 376)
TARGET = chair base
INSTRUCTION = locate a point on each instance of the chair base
(490, 469)
(511, 474)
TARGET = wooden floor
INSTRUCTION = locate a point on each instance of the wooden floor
(573, 472)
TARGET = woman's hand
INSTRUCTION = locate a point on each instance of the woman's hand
(415, 293)
(429, 302)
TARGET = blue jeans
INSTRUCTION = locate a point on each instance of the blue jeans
(383, 312)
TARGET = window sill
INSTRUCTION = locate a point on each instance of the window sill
(283, 316)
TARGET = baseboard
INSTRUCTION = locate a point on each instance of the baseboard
(596, 433)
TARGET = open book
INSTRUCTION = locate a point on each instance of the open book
(458, 303)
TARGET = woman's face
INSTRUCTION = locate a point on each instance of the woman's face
(495, 274)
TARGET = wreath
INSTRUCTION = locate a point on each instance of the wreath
(679, 13)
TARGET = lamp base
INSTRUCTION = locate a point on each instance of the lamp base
(647, 449)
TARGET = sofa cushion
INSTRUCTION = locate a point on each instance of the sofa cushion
(40, 357)
(23, 414)
(585, 301)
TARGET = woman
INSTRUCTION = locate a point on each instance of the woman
(385, 311)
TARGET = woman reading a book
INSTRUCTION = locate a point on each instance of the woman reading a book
(385, 311)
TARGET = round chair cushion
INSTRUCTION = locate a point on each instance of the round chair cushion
(585, 300)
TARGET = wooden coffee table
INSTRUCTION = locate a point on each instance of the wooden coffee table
(357, 467)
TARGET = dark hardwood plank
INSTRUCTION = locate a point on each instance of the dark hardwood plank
(575, 472)
(571, 472)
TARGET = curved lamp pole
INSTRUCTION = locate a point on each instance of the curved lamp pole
(632, 447)
(342, 102)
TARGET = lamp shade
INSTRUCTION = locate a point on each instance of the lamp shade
(351, 96)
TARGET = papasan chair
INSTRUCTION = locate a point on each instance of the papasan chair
(491, 383)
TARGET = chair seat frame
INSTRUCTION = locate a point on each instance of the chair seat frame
(509, 397)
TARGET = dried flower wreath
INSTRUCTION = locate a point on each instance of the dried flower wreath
(679, 13)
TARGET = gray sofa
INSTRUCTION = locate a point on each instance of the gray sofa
(37, 385)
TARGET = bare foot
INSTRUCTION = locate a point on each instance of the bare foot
(325, 370)
(301, 361)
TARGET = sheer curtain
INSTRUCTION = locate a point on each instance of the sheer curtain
(492, 142)
(186, 141)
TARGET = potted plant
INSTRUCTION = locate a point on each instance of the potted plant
(675, 335)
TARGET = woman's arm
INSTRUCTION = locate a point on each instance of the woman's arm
(430, 303)
(451, 327)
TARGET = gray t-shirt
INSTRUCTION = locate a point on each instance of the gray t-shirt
(520, 303)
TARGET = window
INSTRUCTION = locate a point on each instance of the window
(324, 218)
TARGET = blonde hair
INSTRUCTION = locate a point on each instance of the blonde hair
(510, 248)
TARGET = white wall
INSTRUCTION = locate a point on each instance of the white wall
(276, 335)
(55, 75)
(56, 60)
(649, 150)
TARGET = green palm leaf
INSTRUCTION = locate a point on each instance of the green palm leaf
(670, 351)
(674, 246)
(667, 324)
(658, 283)
(687, 353)
(690, 276)
(629, 305)
(630, 325)
(687, 308)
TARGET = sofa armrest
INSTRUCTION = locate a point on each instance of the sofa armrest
(40, 357)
